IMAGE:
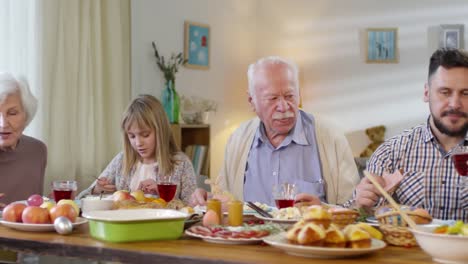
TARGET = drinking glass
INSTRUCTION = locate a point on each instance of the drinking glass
(63, 189)
(460, 161)
(167, 187)
(284, 194)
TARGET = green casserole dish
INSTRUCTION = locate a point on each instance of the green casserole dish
(135, 224)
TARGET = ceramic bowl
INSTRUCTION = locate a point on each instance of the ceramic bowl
(135, 224)
(91, 203)
(443, 248)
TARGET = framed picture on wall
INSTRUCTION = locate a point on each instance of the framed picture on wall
(197, 45)
(382, 45)
(451, 36)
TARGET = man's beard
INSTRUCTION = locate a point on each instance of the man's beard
(447, 131)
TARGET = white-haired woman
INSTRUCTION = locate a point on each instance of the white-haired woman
(23, 159)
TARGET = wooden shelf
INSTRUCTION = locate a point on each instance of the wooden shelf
(187, 134)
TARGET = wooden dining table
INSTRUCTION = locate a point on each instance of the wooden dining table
(81, 245)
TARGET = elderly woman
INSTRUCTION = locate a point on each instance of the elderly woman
(22, 159)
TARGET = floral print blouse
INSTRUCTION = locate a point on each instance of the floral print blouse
(183, 171)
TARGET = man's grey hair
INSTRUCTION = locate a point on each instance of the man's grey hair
(10, 85)
(271, 60)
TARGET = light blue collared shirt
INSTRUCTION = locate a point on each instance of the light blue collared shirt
(295, 160)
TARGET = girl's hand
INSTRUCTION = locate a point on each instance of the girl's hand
(149, 186)
(198, 197)
(104, 185)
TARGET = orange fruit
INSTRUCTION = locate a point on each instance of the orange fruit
(160, 201)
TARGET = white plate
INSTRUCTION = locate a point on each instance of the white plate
(280, 241)
(275, 220)
(220, 240)
(39, 227)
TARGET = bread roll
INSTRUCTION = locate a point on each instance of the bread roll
(318, 215)
(311, 234)
(357, 238)
(334, 237)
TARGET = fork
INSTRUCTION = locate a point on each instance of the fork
(259, 210)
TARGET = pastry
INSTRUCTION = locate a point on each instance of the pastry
(388, 215)
(318, 215)
(343, 216)
(357, 238)
(334, 237)
(292, 233)
(311, 234)
(421, 216)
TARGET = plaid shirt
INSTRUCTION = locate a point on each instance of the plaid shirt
(430, 177)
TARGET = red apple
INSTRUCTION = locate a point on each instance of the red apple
(66, 210)
(122, 196)
(35, 200)
(35, 215)
(13, 212)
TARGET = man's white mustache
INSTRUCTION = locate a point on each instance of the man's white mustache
(283, 115)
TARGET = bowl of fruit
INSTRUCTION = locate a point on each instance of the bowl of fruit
(445, 243)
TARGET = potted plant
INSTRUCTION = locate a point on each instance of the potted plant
(169, 68)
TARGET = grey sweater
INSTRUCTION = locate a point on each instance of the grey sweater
(22, 169)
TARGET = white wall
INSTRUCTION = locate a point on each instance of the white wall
(232, 27)
(325, 39)
(323, 36)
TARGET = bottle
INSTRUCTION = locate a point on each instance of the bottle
(215, 205)
(235, 213)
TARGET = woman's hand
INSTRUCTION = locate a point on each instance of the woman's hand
(104, 185)
(149, 186)
(198, 197)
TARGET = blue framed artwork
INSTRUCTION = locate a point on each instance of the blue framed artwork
(197, 45)
(382, 45)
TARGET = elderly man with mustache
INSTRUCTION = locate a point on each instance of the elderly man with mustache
(285, 145)
(423, 153)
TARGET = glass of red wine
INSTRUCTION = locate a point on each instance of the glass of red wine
(460, 161)
(284, 195)
(63, 189)
(167, 187)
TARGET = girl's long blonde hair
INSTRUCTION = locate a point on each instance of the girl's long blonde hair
(148, 112)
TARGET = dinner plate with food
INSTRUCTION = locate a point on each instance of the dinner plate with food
(289, 215)
(233, 235)
(321, 239)
(280, 241)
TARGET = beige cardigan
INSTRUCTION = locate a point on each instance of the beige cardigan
(338, 168)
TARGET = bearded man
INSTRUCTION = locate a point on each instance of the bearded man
(423, 154)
